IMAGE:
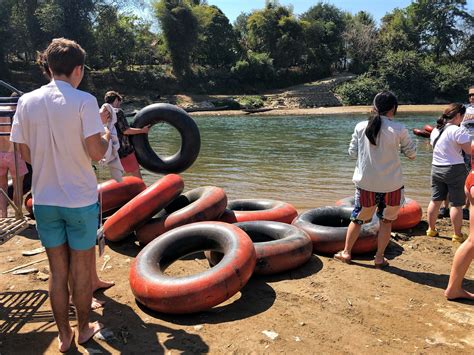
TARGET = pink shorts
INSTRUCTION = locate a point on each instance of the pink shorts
(7, 164)
(130, 163)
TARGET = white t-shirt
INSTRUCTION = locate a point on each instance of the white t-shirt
(378, 167)
(468, 121)
(448, 149)
(53, 121)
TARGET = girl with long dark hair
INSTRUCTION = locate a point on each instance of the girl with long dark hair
(376, 144)
(448, 171)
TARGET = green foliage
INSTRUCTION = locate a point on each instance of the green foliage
(180, 30)
(361, 90)
(438, 23)
(407, 76)
(217, 44)
(257, 67)
(452, 81)
(274, 30)
(323, 27)
(251, 101)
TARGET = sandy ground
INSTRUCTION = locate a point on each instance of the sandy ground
(341, 110)
(324, 306)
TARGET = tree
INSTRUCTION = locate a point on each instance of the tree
(360, 39)
(217, 44)
(180, 30)
(323, 26)
(69, 19)
(399, 32)
(274, 30)
(438, 23)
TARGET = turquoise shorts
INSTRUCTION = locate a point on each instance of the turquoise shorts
(75, 226)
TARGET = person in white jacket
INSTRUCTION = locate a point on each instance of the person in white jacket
(376, 144)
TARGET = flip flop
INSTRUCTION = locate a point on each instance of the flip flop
(339, 256)
(381, 265)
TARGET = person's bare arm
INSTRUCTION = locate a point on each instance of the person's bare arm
(466, 147)
(25, 152)
(132, 131)
(97, 145)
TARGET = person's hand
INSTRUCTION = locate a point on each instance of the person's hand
(146, 129)
(105, 115)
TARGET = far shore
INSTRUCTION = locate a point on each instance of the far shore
(338, 110)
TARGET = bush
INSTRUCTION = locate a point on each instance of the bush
(257, 67)
(251, 101)
(452, 81)
(360, 91)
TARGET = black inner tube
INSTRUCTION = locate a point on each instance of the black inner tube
(187, 128)
(250, 205)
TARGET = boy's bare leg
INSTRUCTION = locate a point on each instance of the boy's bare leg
(136, 173)
(59, 294)
(82, 293)
(18, 194)
(97, 283)
(3, 200)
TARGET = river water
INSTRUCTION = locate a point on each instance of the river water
(302, 160)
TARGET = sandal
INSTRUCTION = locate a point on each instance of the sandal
(340, 256)
(381, 265)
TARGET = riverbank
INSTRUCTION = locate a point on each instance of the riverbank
(323, 306)
(338, 110)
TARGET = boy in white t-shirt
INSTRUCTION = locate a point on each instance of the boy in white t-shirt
(59, 131)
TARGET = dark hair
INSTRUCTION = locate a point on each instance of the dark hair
(111, 96)
(63, 55)
(43, 63)
(383, 102)
(449, 113)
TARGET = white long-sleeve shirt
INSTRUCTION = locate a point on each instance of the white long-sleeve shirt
(378, 167)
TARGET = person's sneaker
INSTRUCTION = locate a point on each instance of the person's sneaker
(459, 238)
(432, 233)
(443, 212)
(465, 214)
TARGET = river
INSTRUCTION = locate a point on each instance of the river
(298, 159)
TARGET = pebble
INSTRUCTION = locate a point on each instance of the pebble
(198, 327)
(271, 334)
(42, 276)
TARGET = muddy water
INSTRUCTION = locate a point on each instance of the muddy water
(301, 160)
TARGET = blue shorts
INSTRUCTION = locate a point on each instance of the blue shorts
(75, 226)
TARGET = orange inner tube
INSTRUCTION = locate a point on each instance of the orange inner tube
(202, 204)
(142, 207)
(409, 216)
(194, 293)
(113, 194)
(244, 210)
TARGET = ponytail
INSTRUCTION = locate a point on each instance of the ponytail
(449, 113)
(383, 103)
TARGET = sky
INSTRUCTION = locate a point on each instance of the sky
(378, 8)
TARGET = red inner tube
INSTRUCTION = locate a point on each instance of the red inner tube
(116, 194)
(142, 207)
(421, 133)
(202, 204)
(428, 128)
(245, 210)
(199, 292)
(279, 246)
(409, 216)
(327, 227)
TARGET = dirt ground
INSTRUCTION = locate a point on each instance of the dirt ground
(324, 306)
